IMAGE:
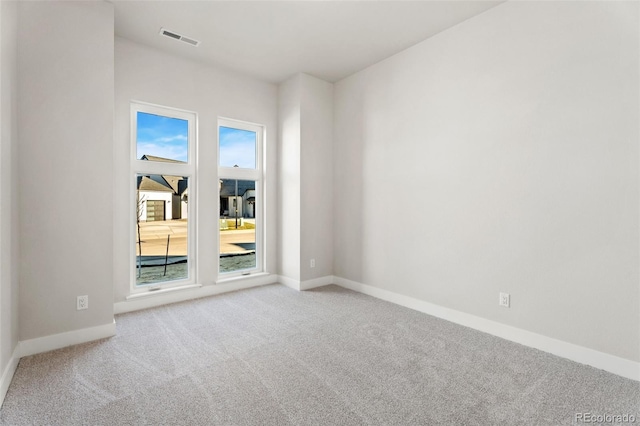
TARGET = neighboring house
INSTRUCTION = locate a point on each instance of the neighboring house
(244, 198)
(165, 197)
(162, 197)
(161, 159)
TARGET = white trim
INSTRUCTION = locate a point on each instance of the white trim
(306, 285)
(192, 292)
(7, 374)
(289, 282)
(316, 282)
(62, 340)
(188, 170)
(241, 277)
(255, 174)
(162, 291)
(611, 363)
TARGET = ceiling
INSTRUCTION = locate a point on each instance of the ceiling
(273, 40)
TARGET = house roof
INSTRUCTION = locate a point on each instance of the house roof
(161, 159)
(145, 183)
(162, 183)
(228, 187)
(174, 182)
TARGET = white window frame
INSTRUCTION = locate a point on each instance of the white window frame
(161, 168)
(240, 173)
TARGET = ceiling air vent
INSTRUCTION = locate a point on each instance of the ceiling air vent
(176, 36)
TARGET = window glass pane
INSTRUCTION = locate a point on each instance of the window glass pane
(160, 138)
(161, 228)
(237, 148)
(237, 225)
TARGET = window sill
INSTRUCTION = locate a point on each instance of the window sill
(236, 278)
(151, 299)
(162, 291)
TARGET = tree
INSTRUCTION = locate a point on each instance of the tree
(139, 203)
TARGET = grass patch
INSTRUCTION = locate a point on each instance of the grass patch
(231, 224)
(155, 274)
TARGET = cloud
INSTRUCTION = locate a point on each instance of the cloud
(242, 156)
(237, 147)
(161, 136)
(165, 150)
(165, 139)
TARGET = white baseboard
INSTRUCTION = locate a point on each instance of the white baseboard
(49, 343)
(316, 282)
(611, 363)
(181, 295)
(289, 282)
(305, 285)
(62, 340)
(7, 374)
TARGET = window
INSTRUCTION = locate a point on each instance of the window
(162, 138)
(238, 147)
(240, 194)
(163, 180)
(167, 192)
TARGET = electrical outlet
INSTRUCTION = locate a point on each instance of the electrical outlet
(82, 302)
(504, 300)
(313, 263)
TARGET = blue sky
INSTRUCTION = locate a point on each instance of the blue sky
(168, 138)
(237, 147)
(162, 136)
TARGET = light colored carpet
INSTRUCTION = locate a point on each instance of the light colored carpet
(275, 356)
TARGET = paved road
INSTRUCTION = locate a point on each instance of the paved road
(154, 239)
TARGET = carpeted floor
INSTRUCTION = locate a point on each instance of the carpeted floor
(275, 356)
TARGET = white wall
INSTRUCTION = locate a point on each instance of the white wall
(514, 135)
(305, 180)
(148, 75)
(8, 194)
(65, 122)
(289, 110)
(316, 178)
